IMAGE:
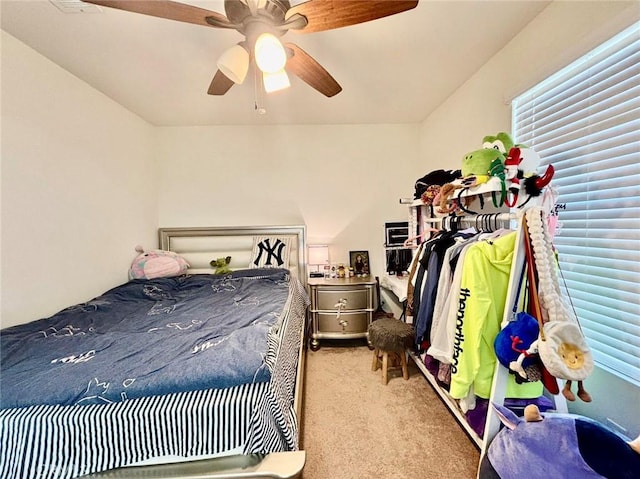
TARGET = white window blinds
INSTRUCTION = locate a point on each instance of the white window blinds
(585, 121)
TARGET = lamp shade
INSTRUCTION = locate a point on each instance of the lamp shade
(318, 254)
(275, 81)
(234, 63)
(269, 53)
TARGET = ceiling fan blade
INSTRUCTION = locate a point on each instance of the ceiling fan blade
(329, 14)
(237, 10)
(220, 84)
(311, 72)
(169, 10)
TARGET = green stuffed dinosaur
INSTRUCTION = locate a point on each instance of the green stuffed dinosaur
(501, 142)
(221, 265)
(479, 163)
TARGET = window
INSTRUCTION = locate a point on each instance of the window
(585, 121)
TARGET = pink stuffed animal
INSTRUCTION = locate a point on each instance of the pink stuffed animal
(157, 264)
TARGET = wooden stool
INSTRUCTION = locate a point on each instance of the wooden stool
(387, 359)
(390, 337)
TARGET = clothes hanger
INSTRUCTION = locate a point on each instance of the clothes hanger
(409, 241)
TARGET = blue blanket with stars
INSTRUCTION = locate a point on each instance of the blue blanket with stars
(146, 338)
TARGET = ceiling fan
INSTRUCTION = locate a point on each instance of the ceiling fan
(263, 22)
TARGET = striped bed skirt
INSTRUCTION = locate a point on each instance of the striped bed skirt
(61, 442)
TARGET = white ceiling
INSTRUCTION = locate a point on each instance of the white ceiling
(392, 70)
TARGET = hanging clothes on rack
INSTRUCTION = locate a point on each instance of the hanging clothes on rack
(454, 288)
(411, 280)
(430, 291)
(445, 310)
(428, 274)
(481, 299)
(469, 390)
(481, 303)
(422, 261)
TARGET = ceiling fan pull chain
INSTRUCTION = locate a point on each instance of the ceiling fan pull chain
(258, 92)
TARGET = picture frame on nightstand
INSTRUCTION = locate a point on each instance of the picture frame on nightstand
(359, 261)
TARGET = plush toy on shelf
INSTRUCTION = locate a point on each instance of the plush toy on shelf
(521, 167)
(221, 265)
(500, 167)
(501, 142)
(479, 163)
(478, 168)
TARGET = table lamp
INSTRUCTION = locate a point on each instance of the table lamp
(318, 256)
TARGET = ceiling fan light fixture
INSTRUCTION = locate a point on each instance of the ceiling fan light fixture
(269, 53)
(262, 23)
(234, 63)
(275, 81)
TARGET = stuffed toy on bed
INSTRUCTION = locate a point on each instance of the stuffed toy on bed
(157, 264)
(563, 446)
(221, 265)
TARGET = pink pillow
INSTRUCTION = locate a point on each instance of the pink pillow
(157, 264)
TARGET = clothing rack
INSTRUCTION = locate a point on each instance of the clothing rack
(487, 220)
(394, 248)
(482, 222)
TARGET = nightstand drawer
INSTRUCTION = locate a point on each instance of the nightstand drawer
(347, 323)
(355, 299)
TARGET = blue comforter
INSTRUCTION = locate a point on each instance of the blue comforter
(145, 338)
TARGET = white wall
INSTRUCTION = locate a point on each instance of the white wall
(560, 34)
(342, 181)
(78, 187)
(563, 32)
(79, 191)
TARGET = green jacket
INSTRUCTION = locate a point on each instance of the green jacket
(481, 301)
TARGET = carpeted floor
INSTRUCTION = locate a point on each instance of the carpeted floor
(355, 427)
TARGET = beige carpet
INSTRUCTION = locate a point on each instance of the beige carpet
(355, 427)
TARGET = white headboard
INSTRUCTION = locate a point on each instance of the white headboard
(201, 245)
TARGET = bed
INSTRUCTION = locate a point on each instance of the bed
(196, 375)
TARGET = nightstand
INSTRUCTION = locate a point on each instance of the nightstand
(341, 308)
